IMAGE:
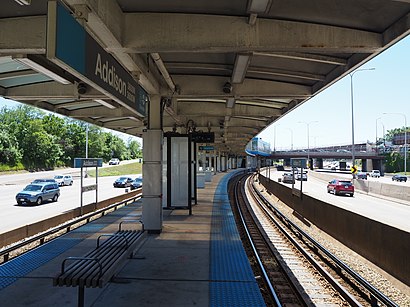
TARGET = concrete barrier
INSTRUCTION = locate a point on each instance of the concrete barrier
(385, 246)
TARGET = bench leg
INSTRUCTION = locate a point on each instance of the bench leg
(80, 296)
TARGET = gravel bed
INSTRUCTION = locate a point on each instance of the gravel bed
(391, 287)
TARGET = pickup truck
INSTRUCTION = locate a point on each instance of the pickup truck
(375, 173)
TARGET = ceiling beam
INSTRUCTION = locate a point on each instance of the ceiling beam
(23, 35)
(211, 87)
(169, 32)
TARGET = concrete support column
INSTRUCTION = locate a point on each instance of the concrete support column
(152, 169)
(319, 163)
(364, 165)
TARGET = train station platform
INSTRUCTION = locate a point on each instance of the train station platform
(197, 260)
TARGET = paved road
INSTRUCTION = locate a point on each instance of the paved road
(389, 212)
(13, 216)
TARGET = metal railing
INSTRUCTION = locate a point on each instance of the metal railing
(5, 253)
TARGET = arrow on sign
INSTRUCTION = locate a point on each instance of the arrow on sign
(353, 169)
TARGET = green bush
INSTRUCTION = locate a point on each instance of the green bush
(8, 168)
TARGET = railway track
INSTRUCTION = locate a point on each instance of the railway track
(297, 270)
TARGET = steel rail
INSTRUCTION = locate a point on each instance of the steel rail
(359, 279)
(40, 237)
(255, 252)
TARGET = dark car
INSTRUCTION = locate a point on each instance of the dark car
(38, 192)
(399, 178)
(136, 184)
(123, 182)
(44, 180)
(361, 175)
(340, 187)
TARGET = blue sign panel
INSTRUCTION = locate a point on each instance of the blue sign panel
(86, 162)
(75, 50)
(206, 148)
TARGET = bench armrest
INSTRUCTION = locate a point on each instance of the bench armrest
(81, 259)
(113, 235)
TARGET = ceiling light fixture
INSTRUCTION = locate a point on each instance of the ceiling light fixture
(259, 6)
(23, 2)
(105, 103)
(41, 69)
(241, 66)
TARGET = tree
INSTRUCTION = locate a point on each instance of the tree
(134, 149)
(9, 151)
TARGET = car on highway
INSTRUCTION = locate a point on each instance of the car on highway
(399, 178)
(361, 175)
(114, 161)
(51, 180)
(340, 187)
(38, 193)
(375, 173)
(301, 176)
(64, 179)
(288, 178)
(136, 184)
(123, 182)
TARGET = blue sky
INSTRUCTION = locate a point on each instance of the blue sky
(383, 90)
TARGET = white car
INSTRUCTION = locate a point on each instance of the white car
(64, 180)
(114, 161)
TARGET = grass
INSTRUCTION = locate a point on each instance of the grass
(117, 170)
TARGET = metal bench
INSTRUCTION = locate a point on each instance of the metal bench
(97, 267)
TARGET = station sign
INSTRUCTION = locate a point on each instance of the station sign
(71, 47)
(89, 188)
(208, 148)
(85, 162)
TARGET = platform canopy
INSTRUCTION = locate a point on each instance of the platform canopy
(231, 67)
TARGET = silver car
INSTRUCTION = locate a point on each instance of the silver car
(37, 193)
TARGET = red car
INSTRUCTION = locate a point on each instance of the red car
(340, 187)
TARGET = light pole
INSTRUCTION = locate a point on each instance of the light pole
(291, 138)
(307, 128)
(274, 138)
(405, 140)
(376, 131)
(351, 101)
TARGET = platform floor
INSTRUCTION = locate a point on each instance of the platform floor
(197, 260)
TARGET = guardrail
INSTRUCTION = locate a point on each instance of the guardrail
(68, 226)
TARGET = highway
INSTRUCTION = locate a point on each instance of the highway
(390, 212)
(13, 216)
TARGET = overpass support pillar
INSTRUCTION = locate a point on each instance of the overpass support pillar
(364, 165)
(319, 163)
(286, 162)
(377, 164)
(152, 169)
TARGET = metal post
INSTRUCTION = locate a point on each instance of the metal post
(81, 203)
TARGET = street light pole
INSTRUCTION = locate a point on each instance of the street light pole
(308, 149)
(376, 134)
(405, 140)
(351, 101)
(291, 138)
